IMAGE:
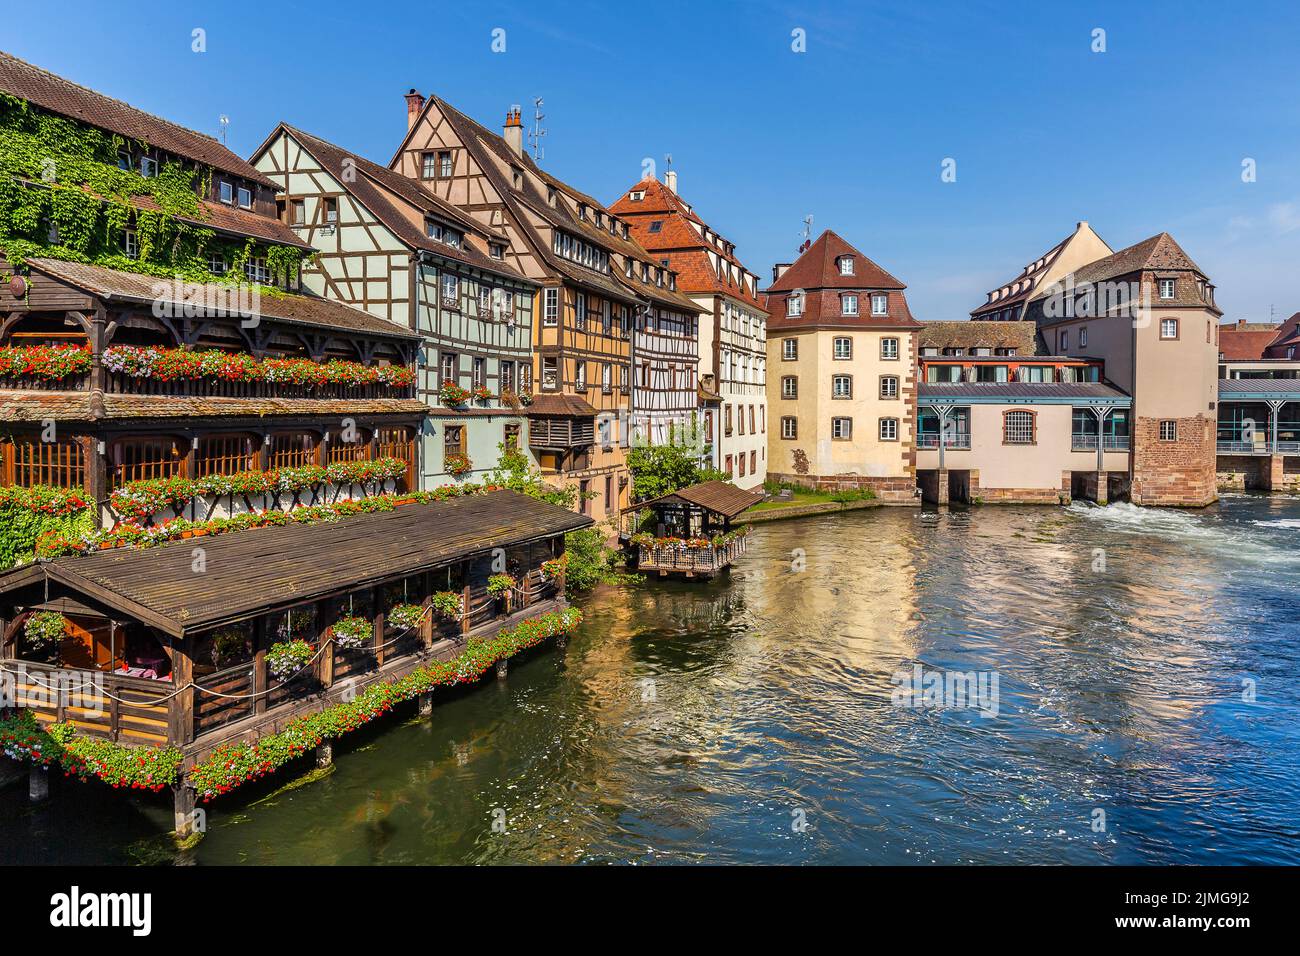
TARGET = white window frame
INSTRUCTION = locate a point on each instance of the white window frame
(889, 386)
(1170, 434)
(844, 354)
(1170, 285)
(794, 305)
(842, 428)
(848, 305)
(241, 193)
(790, 350)
(879, 304)
(449, 290)
(789, 427)
(888, 429)
(551, 308)
(789, 386)
(841, 386)
(1014, 426)
(889, 349)
(846, 265)
(1168, 323)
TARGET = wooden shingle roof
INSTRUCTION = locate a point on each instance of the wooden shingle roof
(253, 572)
(720, 497)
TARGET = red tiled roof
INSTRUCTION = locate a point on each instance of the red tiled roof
(1159, 252)
(58, 95)
(239, 222)
(817, 269)
(1245, 345)
(679, 238)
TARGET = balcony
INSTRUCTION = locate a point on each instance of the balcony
(1083, 441)
(960, 441)
(690, 561)
(561, 433)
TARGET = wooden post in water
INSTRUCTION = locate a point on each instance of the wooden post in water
(324, 754)
(183, 801)
(502, 666)
(425, 702)
(38, 784)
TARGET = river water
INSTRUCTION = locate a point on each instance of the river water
(753, 719)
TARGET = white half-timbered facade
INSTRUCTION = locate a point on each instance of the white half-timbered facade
(390, 247)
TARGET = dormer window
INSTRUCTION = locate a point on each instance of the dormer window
(130, 244)
(245, 198)
(148, 167)
(217, 264)
(124, 161)
(846, 265)
(600, 220)
(227, 192)
(550, 195)
(1166, 288)
(848, 305)
(656, 225)
(256, 269)
(637, 195)
(517, 177)
(582, 211)
(879, 304)
(496, 250)
(794, 304)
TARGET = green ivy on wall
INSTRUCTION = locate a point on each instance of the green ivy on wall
(63, 196)
(21, 526)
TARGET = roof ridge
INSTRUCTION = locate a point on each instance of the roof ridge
(112, 99)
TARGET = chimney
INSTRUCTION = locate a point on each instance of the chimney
(414, 104)
(670, 180)
(778, 270)
(514, 131)
(1081, 224)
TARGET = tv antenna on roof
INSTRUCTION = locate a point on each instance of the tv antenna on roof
(807, 233)
(225, 125)
(668, 161)
(537, 132)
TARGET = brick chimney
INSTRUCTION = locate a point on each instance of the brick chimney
(670, 180)
(414, 104)
(514, 131)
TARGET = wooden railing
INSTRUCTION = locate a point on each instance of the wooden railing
(86, 699)
(211, 711)
(672, 558)
(27, 383)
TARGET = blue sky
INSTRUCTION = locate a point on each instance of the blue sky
(1149, 135)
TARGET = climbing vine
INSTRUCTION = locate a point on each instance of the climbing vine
(64, 196)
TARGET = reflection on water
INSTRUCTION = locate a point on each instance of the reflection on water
(698, 722)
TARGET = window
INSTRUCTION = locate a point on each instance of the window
(148, 167)
(751, 419)
(428, 165)
(889, 348)
(889, 429)
(1169, 430)
(889, 386)
(580, 311)
(580, 374)
(444, 164)
(789, 427)
(843, 347)
(217, 264)
(245, 198)
(1017, 428)
(794, 304)
(1166, 288)
(879, 304)
(550, 372)
(753, 462)
(729, 468)
(34, 462)
(485, 300)
(846, 266)
(789, 386)
(848, 305)
(227, 192)
(297, 212)
(256, 269)
(450, 370)
(453, 440)
(450, 290)
(1083, 336)
(480, 372)
(331, 209)
(606, 316)
(607, 378)
(496, 250)
(789, 349)
(551, 308)
(130, 244)
(292, 450)
(511, 438)
(1064, 339)
(124, 161)
(841, 386)
(656, 225)
(1169, 328)
(841, 428)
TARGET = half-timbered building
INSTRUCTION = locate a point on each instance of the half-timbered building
(128, 353)
(732, 391)
(389, 246)
(583, 320)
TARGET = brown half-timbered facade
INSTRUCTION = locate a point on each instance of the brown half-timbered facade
(585, 310)
(389, 246)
